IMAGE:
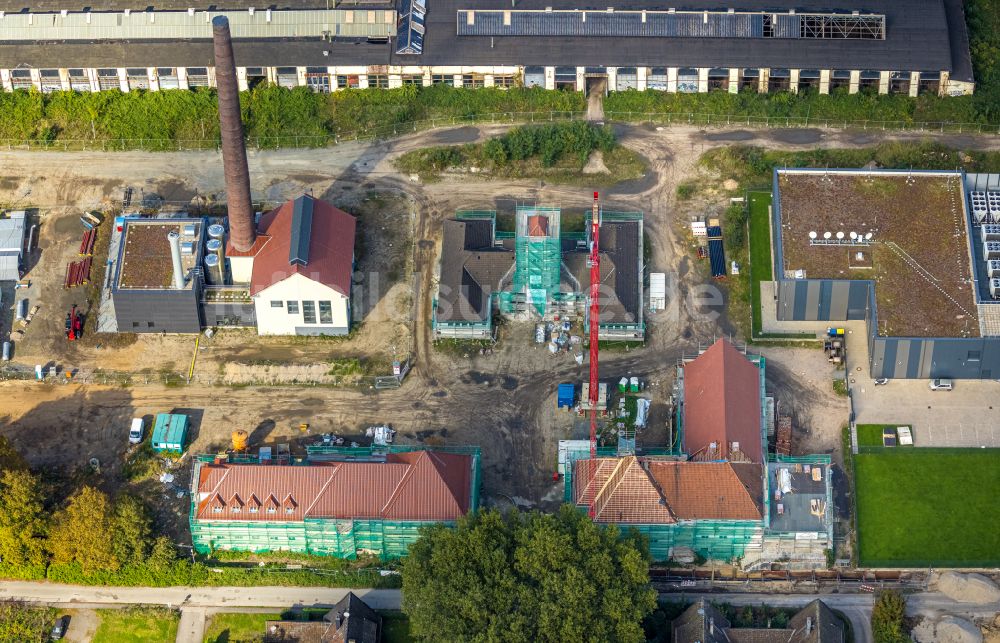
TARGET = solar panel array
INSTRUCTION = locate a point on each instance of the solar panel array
(639, 24)
(411, 26)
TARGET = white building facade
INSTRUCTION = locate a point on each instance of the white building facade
(298, 305)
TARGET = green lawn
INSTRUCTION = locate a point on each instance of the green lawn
(760, 251)
(922, 507)
(229, 628)
(870, 435)
(138, 625)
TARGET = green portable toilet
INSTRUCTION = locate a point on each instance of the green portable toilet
(170, 433)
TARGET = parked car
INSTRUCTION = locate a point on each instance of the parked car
(136, 432)
(942, 384)
(59, 628)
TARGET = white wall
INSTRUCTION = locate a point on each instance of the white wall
(298, 288)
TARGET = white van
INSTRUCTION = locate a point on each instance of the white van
(135, 433)
(942, 384)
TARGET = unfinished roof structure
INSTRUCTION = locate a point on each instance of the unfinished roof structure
(649, 491)
(417, 486)
(722, 406)
(473, 270)
(305, 236)
(702, 622)
(349, 621)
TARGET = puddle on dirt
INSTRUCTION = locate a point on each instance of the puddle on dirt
(439, 394)
(481, 378)
(508, 383)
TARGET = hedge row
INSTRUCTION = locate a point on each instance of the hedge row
(295, 116)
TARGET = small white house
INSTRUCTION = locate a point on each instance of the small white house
(301, 280)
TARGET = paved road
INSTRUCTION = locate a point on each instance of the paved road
(203, 597)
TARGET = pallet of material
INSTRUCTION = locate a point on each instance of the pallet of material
(77, 273)
(87, 243)
(783, 436)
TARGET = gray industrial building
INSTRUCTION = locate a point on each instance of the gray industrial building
(919, 274)
(12, 231)
(918, 46)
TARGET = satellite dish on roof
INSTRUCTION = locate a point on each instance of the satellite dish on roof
(840, 235)
(868, 236)
(827, 235)
(812, 234)
(854, 235)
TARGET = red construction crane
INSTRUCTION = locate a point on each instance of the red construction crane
(595, 313)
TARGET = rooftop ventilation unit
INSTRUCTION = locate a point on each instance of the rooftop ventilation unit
(993, 267)
(980, 211)
(993, 204)
(995, 287)
(991, 249)
(188, 230)
(991, 232)
(187, 248)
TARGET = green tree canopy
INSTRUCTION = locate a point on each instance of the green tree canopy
(23, 522)
(132, 531)
(21, 622)
(887, 618)
(10, 458)
(532, 577)
(81, 532)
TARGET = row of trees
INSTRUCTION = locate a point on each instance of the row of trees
(272, 115)
(89, 530)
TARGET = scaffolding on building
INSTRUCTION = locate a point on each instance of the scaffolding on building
(340, 537)
(538, 261)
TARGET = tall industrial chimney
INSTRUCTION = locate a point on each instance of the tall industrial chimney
(175, 254)
(242, 230)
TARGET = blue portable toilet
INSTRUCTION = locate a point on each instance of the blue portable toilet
(565, 396)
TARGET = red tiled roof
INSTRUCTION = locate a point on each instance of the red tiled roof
(421, 485)
(331, 248)
(538, 226)
(722, 406)
(641, 491)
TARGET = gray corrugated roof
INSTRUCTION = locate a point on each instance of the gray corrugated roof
(920, 36)
(302, 216)
(471, 270)
(54, 6)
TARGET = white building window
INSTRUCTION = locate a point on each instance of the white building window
(308, 312)
(276, 303)
(293, 308)
(325, 312)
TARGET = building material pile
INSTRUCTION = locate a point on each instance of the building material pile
(78, 273)
(783, 440)
(87, 243)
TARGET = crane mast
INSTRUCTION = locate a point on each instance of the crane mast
(594, 318)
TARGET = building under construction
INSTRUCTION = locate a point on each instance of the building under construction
(336, 501)
(716, 492)
(538, 271)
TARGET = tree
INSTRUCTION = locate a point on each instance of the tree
(82, 532)
(162, 555)
(10, 458)
(132, 529)
(23, 523)
(887, 618)
(20, 622)
(527, 578)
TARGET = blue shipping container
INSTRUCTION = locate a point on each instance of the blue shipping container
(565, 396)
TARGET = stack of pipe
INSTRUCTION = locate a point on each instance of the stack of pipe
(87, 243)
(77, 273)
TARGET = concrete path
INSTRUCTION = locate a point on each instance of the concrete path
(191, 629)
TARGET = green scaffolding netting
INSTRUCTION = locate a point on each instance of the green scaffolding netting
(537, 260)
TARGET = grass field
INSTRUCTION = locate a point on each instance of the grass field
(137, 625)
(870, 435)
(923, 507)
(224, 628)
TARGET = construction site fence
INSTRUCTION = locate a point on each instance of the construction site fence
(381, 132)
(63, 375)
(916, 578)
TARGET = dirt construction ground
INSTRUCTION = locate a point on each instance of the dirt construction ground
(503, 402)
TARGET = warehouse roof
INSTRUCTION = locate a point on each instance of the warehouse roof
(644, 491)
(921, 35)
(307, 237)
(722, 414)
(419, 485)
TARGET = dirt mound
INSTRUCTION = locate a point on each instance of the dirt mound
(949, 629)
(968, 588)
(595, 164)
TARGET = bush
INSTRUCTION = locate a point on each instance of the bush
(887, 618)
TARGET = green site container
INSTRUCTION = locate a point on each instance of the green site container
(170, 433)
